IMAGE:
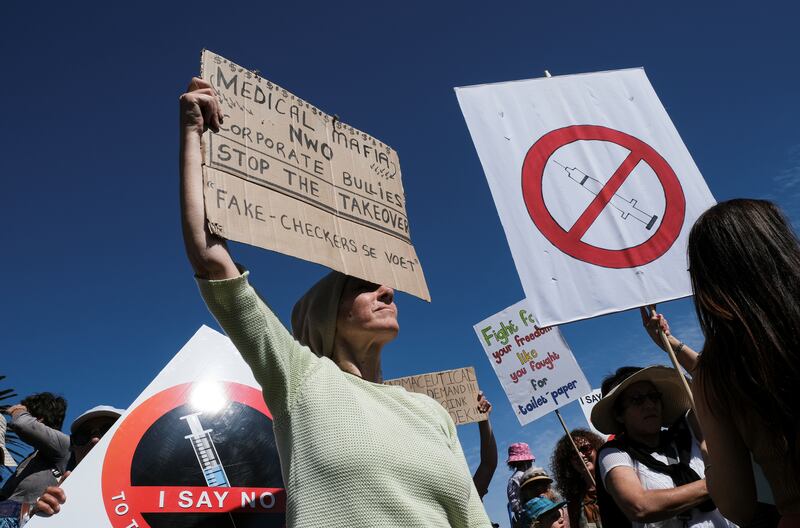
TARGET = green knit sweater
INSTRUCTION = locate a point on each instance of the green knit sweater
(353, 453)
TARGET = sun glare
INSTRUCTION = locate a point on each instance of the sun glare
(208, 396)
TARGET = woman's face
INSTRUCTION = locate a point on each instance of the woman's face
(89, 434)
(641, 409)
(522, 466)
(367, 311)
(588, 454)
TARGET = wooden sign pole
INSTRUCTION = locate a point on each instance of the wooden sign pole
(575, 447)
(671, 353)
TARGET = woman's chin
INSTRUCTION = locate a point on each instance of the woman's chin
(387, 331)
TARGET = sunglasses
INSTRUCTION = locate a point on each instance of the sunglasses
(585, 449)
(654, 397)
(81, 437)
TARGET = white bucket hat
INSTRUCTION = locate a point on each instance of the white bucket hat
(101, 411)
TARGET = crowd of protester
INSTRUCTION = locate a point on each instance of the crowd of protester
(33, 487)
(670, 458)
(668, 463)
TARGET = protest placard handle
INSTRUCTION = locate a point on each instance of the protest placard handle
(665, 341)
(575, 447)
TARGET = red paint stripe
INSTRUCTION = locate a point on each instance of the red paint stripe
(591, 213)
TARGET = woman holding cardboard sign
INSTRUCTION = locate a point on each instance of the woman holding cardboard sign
(745, 269)
(354, 452)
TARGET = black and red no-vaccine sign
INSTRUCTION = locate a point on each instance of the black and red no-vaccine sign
(172, 464)
(570, 240)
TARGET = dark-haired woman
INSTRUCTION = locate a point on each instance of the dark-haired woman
(744, 262)
(573, 482)
(37, 420)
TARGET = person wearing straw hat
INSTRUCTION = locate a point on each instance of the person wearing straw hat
(535, 483)
(647, 476)
(519, 460)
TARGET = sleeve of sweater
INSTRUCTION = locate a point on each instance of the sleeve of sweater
(476, 513)
(279, 363)
(50, 442)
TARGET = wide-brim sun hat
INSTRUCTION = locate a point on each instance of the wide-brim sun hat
(674, 400)
(101, 411)
(536, 474)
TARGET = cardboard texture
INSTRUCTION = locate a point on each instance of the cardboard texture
(456, 390)
(283, 175)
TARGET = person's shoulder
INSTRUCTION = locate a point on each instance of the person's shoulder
(63, 438)
(59, 447)
(610, 456)
(608, 450)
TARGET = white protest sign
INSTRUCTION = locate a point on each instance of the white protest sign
(196, 447)
(594, 187)
(283, 175)
(587, 403)
(534, 364)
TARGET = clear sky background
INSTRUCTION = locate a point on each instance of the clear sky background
(97, 293)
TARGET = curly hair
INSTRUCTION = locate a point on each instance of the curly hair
(48, 407)
(569, 481)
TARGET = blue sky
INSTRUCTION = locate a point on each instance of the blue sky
(98, 295)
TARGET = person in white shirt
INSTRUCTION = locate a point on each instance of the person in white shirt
(655, 477)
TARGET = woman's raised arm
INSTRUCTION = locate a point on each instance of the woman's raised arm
(208, 254)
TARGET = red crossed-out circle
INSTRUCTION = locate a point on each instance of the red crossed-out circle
(569, 241)
(116, 474)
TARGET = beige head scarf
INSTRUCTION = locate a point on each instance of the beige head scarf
(314, 315)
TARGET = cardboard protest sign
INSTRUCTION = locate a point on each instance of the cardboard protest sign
(456, 390)
(195, 448)
(283, 175)
(587, 404)
(594, 187)
(534, 364)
